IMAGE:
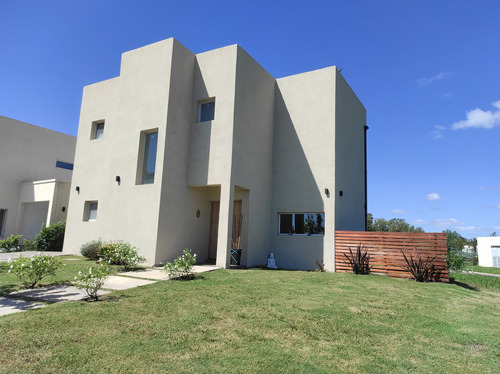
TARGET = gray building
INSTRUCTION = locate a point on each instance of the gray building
(35, 174)
(210, 152)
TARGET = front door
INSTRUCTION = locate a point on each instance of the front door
(214, 227)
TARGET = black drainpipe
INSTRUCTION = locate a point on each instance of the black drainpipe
(366, 186)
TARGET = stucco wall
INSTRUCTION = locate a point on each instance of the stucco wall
(484, 251)
(350, 120)
(29, 153)
(134, 102)
(304, 165)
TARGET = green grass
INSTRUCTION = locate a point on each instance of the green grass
(483, 269)
(259, 321)
(64, 275)
(475, 280)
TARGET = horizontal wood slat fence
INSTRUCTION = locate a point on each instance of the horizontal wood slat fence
(385, 249)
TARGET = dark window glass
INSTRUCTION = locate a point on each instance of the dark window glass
(148, 169)
(64, 165)
(207, 111)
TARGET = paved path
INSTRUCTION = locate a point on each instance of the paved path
(27, 299)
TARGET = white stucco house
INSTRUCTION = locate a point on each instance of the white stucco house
(488, 251)
(35, 173)
(210, 152)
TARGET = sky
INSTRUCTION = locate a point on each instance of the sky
(428, 73)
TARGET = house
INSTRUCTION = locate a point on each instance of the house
(210, 152)
(35, 169)
(488, 251)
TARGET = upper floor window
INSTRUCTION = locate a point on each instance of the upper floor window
(147, 159)
(97, 130)
(206, 110)
(302, 224)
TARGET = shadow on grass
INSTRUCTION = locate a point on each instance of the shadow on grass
(463, 285)
(189, 277)
(114, 297)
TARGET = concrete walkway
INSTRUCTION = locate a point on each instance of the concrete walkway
(27, 299)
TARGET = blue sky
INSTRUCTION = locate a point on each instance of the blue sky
(428, 73)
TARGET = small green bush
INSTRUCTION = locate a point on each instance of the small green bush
(120, 253)
(10, 244)
(182, 266)
(32, 270)
(456, 260)
(91, 249)
(92, 280)
(50, 238)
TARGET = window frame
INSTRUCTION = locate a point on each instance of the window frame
(95, 128)
(294, 214)
(143, 159)
(88, 210)
(200, 106)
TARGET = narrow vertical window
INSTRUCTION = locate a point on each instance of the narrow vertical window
(206, 111)
(3, 219)
(149, 159)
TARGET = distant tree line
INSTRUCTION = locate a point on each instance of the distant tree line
(392, 225)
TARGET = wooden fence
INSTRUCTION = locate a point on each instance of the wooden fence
(385, 249)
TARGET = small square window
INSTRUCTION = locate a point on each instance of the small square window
(90, 211)
(206, 111)
(97, 130)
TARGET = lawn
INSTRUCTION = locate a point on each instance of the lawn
(483, 269)
(261, 321)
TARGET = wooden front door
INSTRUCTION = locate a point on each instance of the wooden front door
(214, 227)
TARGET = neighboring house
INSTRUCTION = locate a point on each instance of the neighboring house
(35, 174)
(488, 251)
(210, 152)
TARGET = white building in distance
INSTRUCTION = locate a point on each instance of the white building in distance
(488, 251)
(35, 174)
(210, 152)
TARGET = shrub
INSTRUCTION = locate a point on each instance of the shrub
(32, 270)
(29, 245)
(456, 260)
(91, 249)
(10, 244)
(359, 261)
(182, 266)
(50, 238)
(92, 280)
(422, 270)
(120, 253)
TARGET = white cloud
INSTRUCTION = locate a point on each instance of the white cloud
(446, 222)
(478, 118)
(498, 206)
(430, 80)
(437, 133)
(398, 211)
(433, 196)
(448, 95)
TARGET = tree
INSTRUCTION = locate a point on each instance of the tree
(392, 225)
(454, 241)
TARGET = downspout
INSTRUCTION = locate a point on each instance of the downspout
(366, 184)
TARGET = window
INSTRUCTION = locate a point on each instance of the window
(3, 219)
(97, 130)
(147, 161)
(90, 211)
(206, 111)
(302, 224)
(64, 165)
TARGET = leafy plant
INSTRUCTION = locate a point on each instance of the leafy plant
(182, 266)
(91, 249)
(50, 238)
(422, 270)
(120, 253)
(456, 260)
(29, 245)
(32, 270)
(359, 261)
(10, 244)
(92, 280)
